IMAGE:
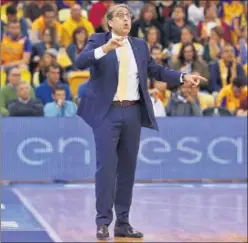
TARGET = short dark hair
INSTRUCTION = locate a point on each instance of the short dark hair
(58, 88)
(239, 81)
(112, 9)
(53, 66)
(47, 8)
(11, 10)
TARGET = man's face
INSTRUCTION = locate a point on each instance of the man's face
(23, 91)
(14, 30)
(59, 95)
(53, 75)
(157, 55)
(49, 18)
(178, 13)
(14, 77)
(186, 36)
(11, 17)
(76, 12)
(228, 53)
(121, 21)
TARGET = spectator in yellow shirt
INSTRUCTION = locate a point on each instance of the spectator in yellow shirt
(15, 48)
(233, 94)
(230, 12)
(76, 20)
(48, 19)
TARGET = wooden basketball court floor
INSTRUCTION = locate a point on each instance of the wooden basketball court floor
(163, 212)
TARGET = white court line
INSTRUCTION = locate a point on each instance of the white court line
(50, 231)
(20, 229)
(184, 205)
(173, 186)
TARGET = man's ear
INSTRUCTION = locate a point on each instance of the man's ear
(110, 23)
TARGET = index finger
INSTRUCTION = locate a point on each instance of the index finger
(200, 78)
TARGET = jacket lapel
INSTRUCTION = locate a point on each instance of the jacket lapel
(112, 54)
(136, 55)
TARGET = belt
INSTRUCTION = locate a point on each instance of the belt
(125, 103)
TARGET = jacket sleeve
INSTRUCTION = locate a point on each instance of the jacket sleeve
(87, 56)
(161, 73)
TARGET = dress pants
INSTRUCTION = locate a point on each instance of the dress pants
(117, 141)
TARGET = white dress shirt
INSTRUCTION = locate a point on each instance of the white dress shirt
(133, 81)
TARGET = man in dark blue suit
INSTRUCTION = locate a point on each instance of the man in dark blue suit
(116, 104)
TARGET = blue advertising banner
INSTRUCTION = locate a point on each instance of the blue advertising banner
(197, 148)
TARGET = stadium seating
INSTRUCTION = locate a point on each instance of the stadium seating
(76, 78)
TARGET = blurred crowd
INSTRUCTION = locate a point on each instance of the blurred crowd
(40, 41)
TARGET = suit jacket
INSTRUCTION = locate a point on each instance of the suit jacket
(102, 86)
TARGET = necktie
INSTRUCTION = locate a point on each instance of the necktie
(123, 68)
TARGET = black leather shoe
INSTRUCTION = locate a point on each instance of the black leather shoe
(127, 231)
(102, 232)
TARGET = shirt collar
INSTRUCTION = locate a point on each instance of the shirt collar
(23, 101)
(114, 35)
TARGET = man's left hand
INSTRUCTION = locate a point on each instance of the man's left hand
(194, 80)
